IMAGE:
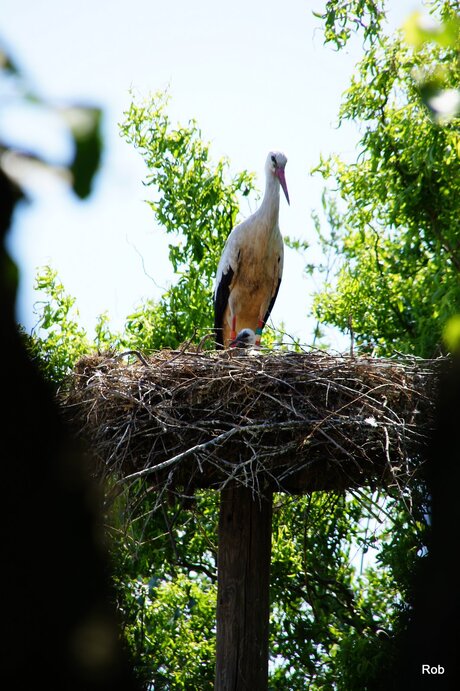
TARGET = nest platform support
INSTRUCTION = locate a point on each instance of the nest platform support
(243, 595)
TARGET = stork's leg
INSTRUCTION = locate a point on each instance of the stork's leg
(260, 326)
(233, 332)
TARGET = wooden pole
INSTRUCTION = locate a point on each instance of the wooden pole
(243, 605)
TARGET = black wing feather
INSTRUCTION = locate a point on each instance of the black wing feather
(220, 305)
(272, 302)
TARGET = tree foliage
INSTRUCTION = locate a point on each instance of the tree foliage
(399, 225)
(196, 204)
(343, 18)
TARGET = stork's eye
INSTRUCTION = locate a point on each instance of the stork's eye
(274, 159)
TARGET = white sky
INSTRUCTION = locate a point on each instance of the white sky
(254, 74)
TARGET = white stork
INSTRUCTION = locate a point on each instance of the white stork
(250, 268)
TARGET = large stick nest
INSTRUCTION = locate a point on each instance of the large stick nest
(297, 422)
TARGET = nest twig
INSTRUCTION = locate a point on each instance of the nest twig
(295, 421)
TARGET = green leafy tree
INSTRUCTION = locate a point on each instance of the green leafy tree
(59, 341)
(398, 281)
(343, 18)
(197, 205)
(166, 580)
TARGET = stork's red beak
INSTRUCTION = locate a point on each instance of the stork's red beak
(281, 177)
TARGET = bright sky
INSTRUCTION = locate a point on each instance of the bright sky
(255, 75)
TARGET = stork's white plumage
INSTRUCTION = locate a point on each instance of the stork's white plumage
(251, 266)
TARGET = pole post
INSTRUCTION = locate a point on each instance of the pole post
(243, 604)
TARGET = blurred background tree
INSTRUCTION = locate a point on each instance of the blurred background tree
(63, 628)
(83, 125)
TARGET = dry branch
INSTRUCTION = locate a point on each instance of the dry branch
(297, 422)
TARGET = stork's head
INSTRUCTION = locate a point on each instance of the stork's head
(245, 339)
(276, 163)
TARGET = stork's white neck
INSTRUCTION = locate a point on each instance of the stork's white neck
(269, 209)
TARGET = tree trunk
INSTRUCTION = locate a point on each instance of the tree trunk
(243, 590)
